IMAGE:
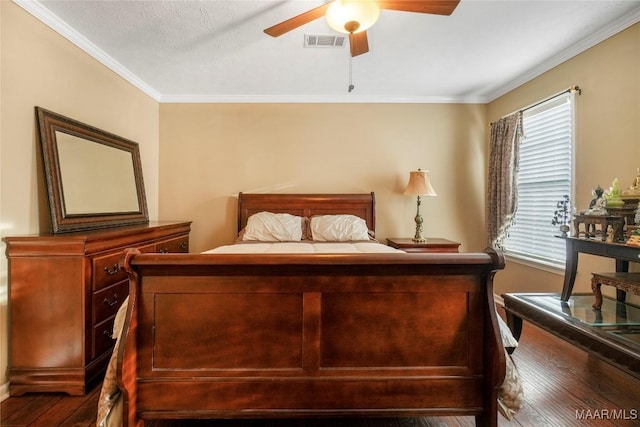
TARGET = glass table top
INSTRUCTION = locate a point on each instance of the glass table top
(621, 320)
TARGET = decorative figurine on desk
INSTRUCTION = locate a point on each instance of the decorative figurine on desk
(597, 206)
(634, 239)
(562, 215)
(614, 195)
(634, 189)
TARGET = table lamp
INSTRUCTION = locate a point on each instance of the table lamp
(419, 185)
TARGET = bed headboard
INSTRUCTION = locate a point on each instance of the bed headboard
(362, 205)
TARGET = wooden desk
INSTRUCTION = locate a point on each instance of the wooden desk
(618, 251)
(433, 244)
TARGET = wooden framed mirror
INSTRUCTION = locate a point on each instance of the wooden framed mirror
(93, 178)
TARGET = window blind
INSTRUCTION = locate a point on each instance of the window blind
(544, 177)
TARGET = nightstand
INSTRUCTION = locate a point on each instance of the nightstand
(433, 244)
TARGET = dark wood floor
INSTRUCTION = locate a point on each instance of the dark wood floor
(564, 387)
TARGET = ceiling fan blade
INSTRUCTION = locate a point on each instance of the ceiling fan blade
(436, 7)
(297, 21)
(359, 43)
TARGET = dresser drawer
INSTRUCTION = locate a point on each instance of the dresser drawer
(101, 337)
(107, 301)
(179, 244)
(106, 271)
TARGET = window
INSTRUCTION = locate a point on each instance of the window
(544, 177)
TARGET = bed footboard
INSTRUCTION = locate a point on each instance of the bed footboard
(237, 336)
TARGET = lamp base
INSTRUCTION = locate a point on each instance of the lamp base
(418, 238)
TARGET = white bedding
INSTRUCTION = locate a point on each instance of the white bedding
(304, 248)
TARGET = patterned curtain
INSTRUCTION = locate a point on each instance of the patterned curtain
(503, 167)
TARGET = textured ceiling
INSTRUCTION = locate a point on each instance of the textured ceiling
(216, 51)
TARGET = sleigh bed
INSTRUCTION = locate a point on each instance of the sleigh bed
(270, 333)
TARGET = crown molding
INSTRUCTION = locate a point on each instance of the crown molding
(317, 99)
(599, 36)
(59, 26)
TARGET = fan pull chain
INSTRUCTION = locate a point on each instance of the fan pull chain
(351, 86)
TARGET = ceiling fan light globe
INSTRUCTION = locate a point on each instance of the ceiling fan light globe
(341, 14)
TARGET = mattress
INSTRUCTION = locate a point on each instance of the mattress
(304, 248)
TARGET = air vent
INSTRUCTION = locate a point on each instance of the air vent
(330, 41)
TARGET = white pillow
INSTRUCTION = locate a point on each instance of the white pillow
(338, 228)
(273, 227)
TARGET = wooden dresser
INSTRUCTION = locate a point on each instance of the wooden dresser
(64, 291)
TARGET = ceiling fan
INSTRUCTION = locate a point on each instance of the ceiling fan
(354, 17)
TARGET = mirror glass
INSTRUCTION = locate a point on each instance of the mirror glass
(94, 178)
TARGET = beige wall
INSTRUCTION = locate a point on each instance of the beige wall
(38, 67)
(607, 138)
(209, 153)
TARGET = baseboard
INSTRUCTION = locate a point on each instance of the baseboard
(4, 391)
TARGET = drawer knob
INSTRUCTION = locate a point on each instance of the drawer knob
(111, 302)
(111, 271)
(183, 245)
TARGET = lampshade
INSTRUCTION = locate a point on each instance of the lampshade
(419, 184)
(352, 16)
